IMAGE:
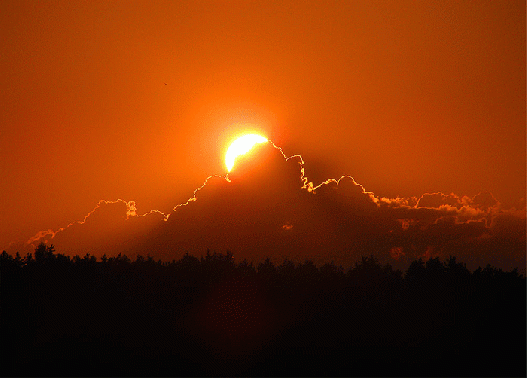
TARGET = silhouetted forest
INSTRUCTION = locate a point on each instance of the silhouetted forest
(210, 316)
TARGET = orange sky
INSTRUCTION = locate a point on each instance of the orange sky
(406, 97)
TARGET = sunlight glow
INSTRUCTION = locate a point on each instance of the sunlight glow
(241, 146)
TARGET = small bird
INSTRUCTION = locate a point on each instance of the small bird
(166, 84)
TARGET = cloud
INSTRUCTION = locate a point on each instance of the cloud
(434, 200)
(110, 226)
(266, 207)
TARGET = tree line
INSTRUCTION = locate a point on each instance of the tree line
(65, 315)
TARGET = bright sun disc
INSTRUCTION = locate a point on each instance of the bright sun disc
(241, 146)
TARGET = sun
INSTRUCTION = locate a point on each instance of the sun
(241, 146)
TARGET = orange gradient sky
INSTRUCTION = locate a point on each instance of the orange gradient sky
(139, 100)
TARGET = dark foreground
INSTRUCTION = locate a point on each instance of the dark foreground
(209, 316)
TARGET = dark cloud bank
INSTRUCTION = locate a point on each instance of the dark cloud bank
(266, 208)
